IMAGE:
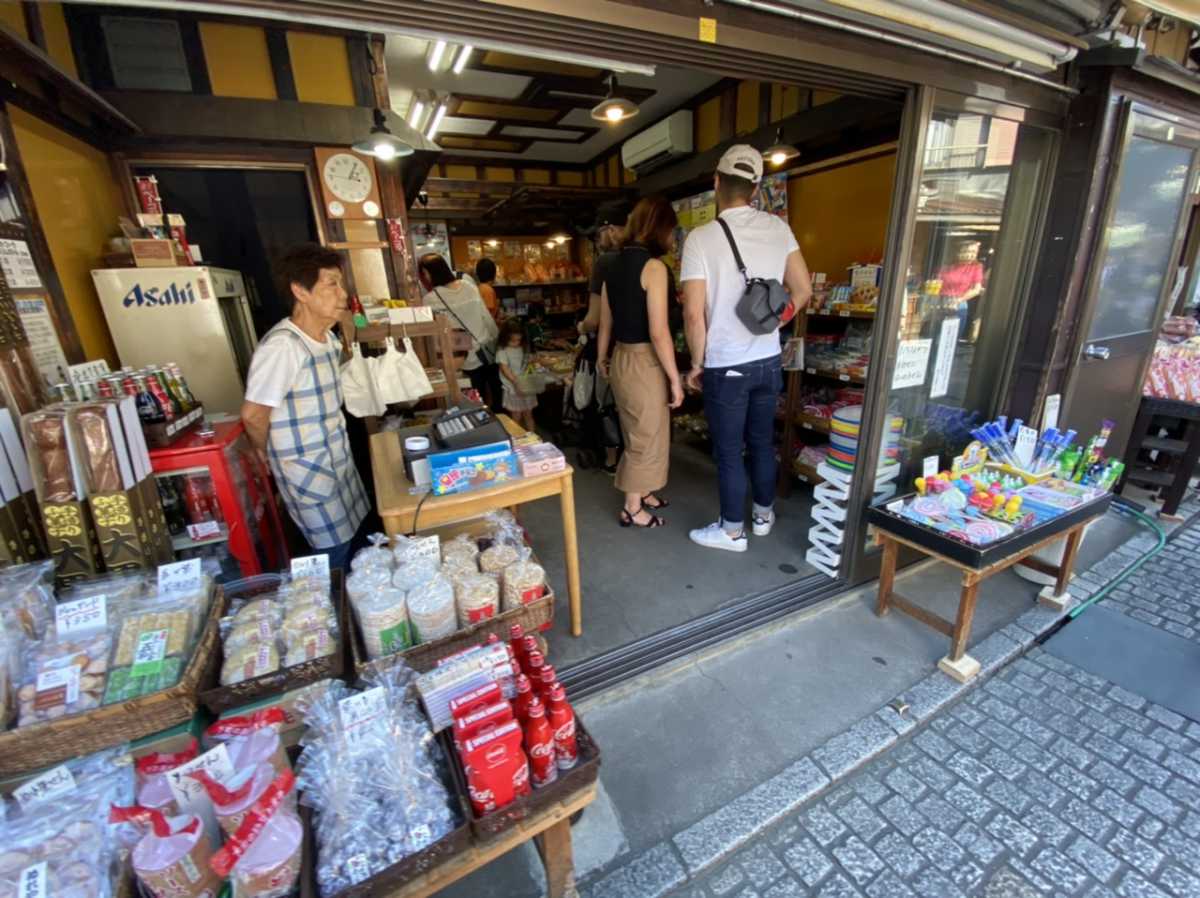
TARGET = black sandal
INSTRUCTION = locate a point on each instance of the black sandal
(628, 521)
(662, 503)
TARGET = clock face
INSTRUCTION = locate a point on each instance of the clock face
(347, 177)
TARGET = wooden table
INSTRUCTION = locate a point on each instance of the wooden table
(551, 832)
(958, 663)
(403, 512)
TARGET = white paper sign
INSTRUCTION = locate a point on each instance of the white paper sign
(81, 615)
(426, 547)
(359, 710)
(68, 677)
(1050, 414)
(911, 361)
(944, 363)
(929, 467)
(188, 792)
(181, 576)
(33, 882)
(1025, 446)
(43, 339)
(17, 263)
(204, 530)
(50, 784)
(311, 566)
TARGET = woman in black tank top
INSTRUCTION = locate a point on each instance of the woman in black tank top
(644, 377)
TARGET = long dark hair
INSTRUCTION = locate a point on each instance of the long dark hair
(437, 269)
(651, 224)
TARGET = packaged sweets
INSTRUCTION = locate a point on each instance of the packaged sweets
(173, 859)
(522, 582)
(432, 611)
(154, 641)
(248, 662)
(414, 573)
(498, 556)
(62, 676)
(233, 799)
(462, 550)
(153, 789)
(376, 555)
(252, 739)
(383, 621)
(27, 598)
(477, 597)
(271, 865)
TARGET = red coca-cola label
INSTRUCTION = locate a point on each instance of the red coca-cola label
(468, 702)
(566, 748)
(497, 771)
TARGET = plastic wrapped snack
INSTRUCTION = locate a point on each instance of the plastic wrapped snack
(477, 598)
(309, 627)
(172, 860)
(498, 556)
(461, 551)
(250, 639)
(522, 582)
(383, 620)
(153, 644)
(62, 676)
(432, 611)
(252, 739)
(153, 788)
(249, 662)
(414, 574)
(27, 598)
(376, 555)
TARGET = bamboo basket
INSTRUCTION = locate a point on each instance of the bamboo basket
(42, 745)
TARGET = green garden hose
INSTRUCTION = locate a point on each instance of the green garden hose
(1125, 508)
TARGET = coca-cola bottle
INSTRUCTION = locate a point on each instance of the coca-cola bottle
(197, 498)
(516, 637)
(524, 697)
(529, 644)
(534, 662)
(562, 720)
(549, 678)
(540, 745)
(177, 389)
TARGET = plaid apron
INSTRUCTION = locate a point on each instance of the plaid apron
(310, 453)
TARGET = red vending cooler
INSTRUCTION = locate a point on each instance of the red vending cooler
(217, 497)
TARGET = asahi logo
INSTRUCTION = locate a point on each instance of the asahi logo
(172, 295)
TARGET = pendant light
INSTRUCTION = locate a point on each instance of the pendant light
(382, 143)
(613, 109)
(780, 152)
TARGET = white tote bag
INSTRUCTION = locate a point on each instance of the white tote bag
(412, 373)
(359, 392)
(389, 375)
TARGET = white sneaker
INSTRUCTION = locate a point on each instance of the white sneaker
(762, 525)
(714, 536)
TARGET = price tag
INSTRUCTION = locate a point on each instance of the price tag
(1025, 446)
(205, 530)
(845, 377)
(929, 467)
(1050, 414)
(50, 784)
(427, 547)
(57, 687)
(359, 710)
(149, 653)
(311, 566)
(33, 882)
(81, 615)
(188, 792)
(182, 576)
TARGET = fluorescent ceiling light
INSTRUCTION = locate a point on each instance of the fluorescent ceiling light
(437, 120)
(464, 56)
(414, 114)
(435, 55)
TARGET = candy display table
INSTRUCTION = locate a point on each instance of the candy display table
(976, 564)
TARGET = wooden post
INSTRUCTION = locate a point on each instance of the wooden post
(1068, 560)
(966, 614)
(554, 845)
(887, 575)
(567, 501)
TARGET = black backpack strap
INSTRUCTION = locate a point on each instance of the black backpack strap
(737, 257)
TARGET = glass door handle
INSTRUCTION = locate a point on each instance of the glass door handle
(1096, 352)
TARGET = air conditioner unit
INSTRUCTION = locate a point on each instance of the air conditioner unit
(659, 144)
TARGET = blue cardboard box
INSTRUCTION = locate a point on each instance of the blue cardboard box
(459, 470)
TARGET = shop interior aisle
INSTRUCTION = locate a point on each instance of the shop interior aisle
(637, 582)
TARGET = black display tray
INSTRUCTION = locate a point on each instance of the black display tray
(978, 557)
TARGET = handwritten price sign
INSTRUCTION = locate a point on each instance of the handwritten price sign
(50, 784)
(182, 576)
(81, 615)
(188, 792)
(33, 882)
(311, 566)
(359, 711)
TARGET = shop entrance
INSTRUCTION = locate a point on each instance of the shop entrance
(523, 172)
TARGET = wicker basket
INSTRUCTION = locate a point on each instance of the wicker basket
(219, 699)
(42, 745)
(493, 824)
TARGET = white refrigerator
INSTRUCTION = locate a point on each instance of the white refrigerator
(195, 316)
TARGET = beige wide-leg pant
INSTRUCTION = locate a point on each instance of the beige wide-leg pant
(641, 391)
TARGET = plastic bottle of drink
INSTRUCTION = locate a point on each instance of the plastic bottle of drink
(540, 746)
(177, 373)
(522, 700)
(104, 388)
(196, 499)
(562, 720)
(176, 390)
(148, 408)
(160, 395)
(160, 376)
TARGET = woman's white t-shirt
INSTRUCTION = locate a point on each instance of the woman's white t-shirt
(462, 299)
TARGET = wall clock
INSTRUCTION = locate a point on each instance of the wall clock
(349, 188)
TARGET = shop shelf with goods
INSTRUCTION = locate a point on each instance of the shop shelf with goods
(218, 496)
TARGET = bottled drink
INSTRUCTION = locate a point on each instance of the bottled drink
(523, 698)
(533, 667)
(197, 499)
(154, 388)
(516, 636)
(540, 745)
(562, 721)
(148, 408)
(529, 644)
(172, 505)
(177, 373)
(104, 387)
(158, 383)
(549, 678)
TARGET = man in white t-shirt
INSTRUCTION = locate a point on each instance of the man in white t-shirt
(739, 372)
(293, 406)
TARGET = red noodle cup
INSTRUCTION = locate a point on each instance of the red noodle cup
(233, 799)
(176, 865)
(258, 747)
(271, 865)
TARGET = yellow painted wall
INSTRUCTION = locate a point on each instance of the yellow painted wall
(12, 17)
(840, 216)
(465, 172)
(78, 203)
(748, 96)
(58, 39)
(708, 124)
(599, 176)
(785, 101)
(614, 171)
(536, 176)
(239, 64)
(570, 178)
(321, 68)
(499, 174)
(821, 97)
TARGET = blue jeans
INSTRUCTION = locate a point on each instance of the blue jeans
(740, 403)
(339, 556)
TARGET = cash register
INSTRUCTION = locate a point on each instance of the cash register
(466, 426)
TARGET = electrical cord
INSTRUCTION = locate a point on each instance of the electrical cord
(417, 513)
(1123, 506)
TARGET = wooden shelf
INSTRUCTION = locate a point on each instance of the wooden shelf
(807, 473)
(568, 283)
(812, 422)
(835, 375)
(866, 316)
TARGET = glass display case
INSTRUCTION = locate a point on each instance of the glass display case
(218, 500)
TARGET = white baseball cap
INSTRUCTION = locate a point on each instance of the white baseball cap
(742, 161)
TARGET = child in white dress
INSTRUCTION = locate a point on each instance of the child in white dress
(513, 357)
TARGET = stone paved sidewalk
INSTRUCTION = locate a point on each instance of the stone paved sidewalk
(1045, 781)
(1165, 595)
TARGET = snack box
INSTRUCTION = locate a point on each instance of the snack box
(459, 470)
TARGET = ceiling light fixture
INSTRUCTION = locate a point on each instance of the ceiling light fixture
(436, 122)
(780, 152)
(464, 56)
(436, 54)
(560, 239)
(550, 244)
(382, 143)
(613, 109)
(415, 113)
(493, 243)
